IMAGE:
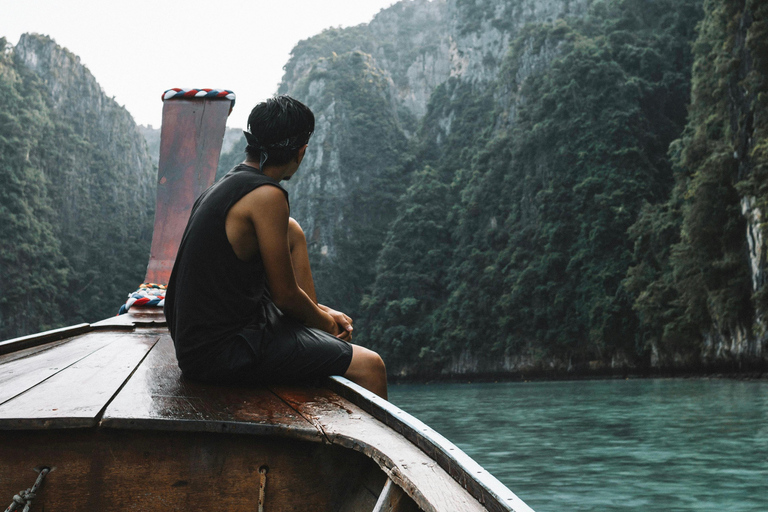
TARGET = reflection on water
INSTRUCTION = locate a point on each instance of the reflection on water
(671, 445)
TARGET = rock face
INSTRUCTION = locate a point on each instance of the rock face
(402, 57)
(420, 44)
(722, 249)
(95, 175)
(756, 243)
(747, 119)
(471, 100)
(76, 96)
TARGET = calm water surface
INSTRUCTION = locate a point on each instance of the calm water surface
(662, 445)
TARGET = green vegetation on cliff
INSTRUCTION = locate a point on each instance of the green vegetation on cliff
(77, 193)
(564, 209)
(540, 209)
(33, 271)
(699, 279)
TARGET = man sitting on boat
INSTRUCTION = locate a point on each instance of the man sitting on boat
(241, 304)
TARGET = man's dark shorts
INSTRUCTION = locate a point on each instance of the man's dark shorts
(281, 351)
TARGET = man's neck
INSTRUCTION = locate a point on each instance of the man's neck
(277, 173)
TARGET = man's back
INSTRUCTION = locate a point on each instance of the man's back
(212, 294)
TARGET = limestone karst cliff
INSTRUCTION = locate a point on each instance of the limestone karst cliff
(88, 186)
(371, 86)
(516, 143)
(705, 300)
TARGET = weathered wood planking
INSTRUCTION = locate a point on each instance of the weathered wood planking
(135, 317)
(363, 494)
(21, 374)
(27, 352)
(190, 142)
(394, 499)
(347, 425)
(480, 483)
(134, 470)
(75, 396)
(42, 337)
(157, 397)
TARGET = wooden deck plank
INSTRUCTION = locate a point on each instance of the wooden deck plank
(23, 370)
(150, 317)
(158, 397)
(28, 352)
(410, 468)
(42, 337)
(76, 395)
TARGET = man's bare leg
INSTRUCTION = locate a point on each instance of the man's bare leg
(367, 368)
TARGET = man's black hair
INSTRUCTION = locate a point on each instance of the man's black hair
(277, 129)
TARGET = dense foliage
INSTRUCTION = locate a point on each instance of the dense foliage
(76, 197)
(570, 212)
(33, 271)
(693, 271)
(539, 209)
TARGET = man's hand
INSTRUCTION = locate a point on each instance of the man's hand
(343, 322)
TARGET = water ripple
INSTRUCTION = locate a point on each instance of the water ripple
(673, 445)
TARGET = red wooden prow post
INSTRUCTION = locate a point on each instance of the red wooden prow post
(190, 143)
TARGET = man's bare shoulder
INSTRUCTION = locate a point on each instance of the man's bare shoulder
(267, 196)
(257, 218)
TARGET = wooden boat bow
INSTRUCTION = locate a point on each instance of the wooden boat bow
(115, 384)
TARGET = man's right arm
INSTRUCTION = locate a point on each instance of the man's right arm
(269, 214)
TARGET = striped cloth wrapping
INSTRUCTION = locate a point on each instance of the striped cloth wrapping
(148, 294)
(177, 93)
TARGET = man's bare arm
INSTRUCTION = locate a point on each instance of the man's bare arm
(268, 211)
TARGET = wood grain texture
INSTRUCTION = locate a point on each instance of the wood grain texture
(18, 374)
(495, 496)
(69, 386)
(135, 317)
(190, 142)
(394, 499)
(359, 500)
(27, 352)
(365, 490)
(42, 337)
(109, 470)
(74, 396)
(347, 425)
(158, 397)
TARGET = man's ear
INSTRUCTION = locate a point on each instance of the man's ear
(300, 154)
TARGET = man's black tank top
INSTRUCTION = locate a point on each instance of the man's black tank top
(212, 295)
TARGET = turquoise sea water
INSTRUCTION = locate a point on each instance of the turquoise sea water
(626, 445)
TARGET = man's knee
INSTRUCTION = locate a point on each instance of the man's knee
(374, 363)
(295, 233)
(378, 364)
(367, 369)
(367, 362)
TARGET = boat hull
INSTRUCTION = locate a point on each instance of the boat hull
(120, 470)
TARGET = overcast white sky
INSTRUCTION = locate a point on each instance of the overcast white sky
(137, 49)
